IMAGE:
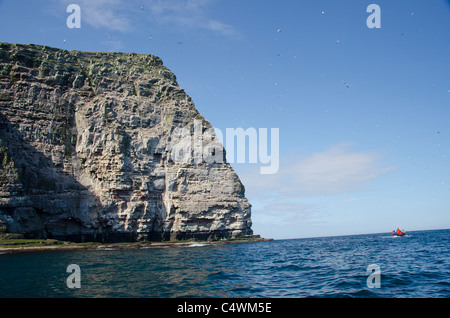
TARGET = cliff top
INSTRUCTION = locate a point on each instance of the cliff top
(92, 64)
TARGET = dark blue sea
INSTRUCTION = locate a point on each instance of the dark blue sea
(417, 265)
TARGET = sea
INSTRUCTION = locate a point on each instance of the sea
(357, 266)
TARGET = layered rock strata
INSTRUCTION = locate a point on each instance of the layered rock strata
(86, 152)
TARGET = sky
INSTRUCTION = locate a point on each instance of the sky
(363, 113)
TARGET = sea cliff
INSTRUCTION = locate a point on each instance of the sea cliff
(87, 152)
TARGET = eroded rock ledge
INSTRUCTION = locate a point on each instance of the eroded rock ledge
(85, 152)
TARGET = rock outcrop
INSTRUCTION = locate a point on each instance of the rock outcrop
(87, 151)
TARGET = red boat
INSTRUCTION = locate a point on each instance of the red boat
(398, 232)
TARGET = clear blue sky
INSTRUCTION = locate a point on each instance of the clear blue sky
(365, 158)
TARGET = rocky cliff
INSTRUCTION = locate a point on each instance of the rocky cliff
(87, 151)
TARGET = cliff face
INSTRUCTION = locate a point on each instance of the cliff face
(87, 151)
